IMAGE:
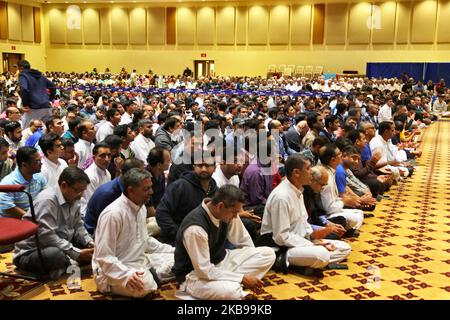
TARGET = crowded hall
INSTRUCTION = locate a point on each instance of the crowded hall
(224, 150)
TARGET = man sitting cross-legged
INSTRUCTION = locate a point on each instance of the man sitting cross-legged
(62, 236)
(285, 223)
(127, 261)
(203, 267)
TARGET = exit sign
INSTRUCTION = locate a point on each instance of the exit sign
(203, 55)
(13, 47)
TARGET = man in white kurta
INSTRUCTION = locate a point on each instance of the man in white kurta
(285, 216)
(382, 144)
(198, 274)
(334, 206)
(123, 248)
(143, 143)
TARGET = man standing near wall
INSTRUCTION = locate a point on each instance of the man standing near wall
(36, 92)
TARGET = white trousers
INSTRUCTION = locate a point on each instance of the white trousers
(250, 261)
(354, 217)
(162, 263)
(317, 256)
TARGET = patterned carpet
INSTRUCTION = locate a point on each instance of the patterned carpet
(402, 253)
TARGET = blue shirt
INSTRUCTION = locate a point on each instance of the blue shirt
(10, 200)
(341, 177)
(33, 140)
(366, 154)
(102, 197)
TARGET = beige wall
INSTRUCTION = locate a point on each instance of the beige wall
(256, 35)
(21, 33)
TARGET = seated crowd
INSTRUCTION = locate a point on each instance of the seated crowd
(211, 190)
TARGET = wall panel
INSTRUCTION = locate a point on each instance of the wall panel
(241, 25)
(37, 24)
(3, 20)
(186, 25)
(360, 15)
(423, 25)
(443, 35)
(138, 26)
(225, 25)
(73, 25)
(301, 24)
(403, 21)
(318, 23)
(119, 26)
(258, 24)
(171, 25)
(105, 31)
(156, 25)
(27, 24)
(206, 22)
(335, 23)
(384, 32)
(57, 19)
(91, 26)
(14, 22)
(279, 25)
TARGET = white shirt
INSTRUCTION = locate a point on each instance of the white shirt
(52, 171)
(104, 130)
(386, 148)
(330, 195)
(121, 241)
(126, 118)
(385, 114)
(286, 217)
(141, 147)
(84, 149)
(221, 180)
(195, 240)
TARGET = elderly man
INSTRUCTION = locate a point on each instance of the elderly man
(63, 238)
(295, 135)
(126, 260)
(317, 215)
(204, 268)
(285, 223)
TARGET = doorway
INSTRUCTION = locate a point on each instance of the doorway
(10, 60)
(204, 68)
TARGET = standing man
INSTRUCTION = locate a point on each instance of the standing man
(33, 92)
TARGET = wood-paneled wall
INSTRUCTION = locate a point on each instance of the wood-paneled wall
(265, 24)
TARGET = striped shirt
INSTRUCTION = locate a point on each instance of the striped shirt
(19, 199)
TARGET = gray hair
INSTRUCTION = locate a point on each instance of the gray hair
(143, 122)
(317, 172)
(134, 177)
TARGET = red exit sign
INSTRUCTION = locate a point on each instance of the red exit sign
(13, 47)
(203, 55)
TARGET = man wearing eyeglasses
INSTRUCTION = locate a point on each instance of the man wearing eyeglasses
(184, 195)
(64, 240)
(27, 173)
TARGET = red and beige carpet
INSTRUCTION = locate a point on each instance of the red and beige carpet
(402, 253)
